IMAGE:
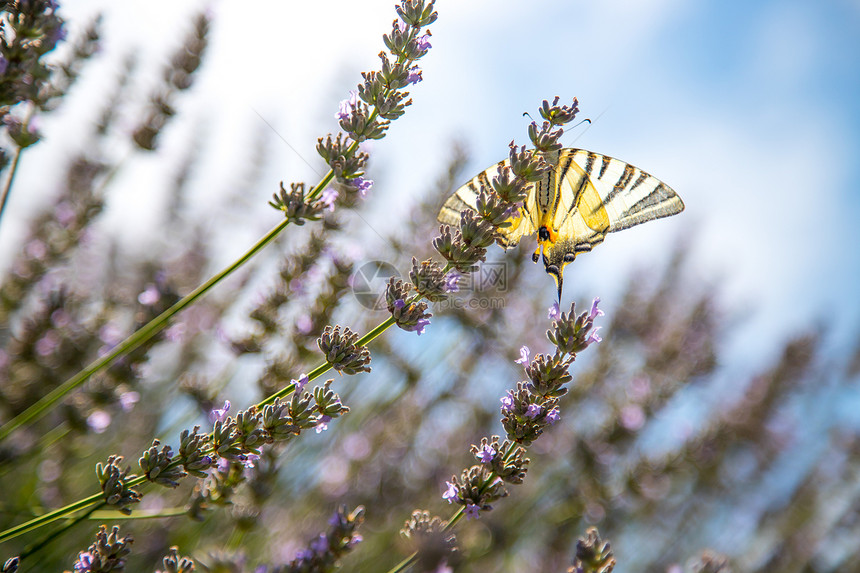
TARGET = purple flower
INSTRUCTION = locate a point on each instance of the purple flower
(399, 303)
(419, 326)
(414, 75)
(451, 492)
(304, 324)
(84, 562)
(593, 336)
(149, 296)
(486, 454)
(218, 414)
(300, 383)
(98, 421)
(127, 400)
(424, 43)
(452, 281)
(553, 416)
(249, 460)
(347, 106)
(363, 185)
(320, 544)
(554, 313)
(533, 411)
(472, 511)
(328, 197)
(595, 312)
(46, 345)
(322, 424)
(508, 401)
(525, 353)
(356, 539)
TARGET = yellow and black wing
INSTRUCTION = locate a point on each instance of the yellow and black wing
(582, 198)
(522, 223)
(597, 194)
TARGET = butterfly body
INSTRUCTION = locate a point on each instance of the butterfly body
(584, 196)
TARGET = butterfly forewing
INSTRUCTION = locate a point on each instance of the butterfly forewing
(628, 195)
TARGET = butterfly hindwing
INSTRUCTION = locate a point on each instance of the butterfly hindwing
(522, 224)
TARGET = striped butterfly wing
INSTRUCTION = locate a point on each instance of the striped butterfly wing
(522, 224)
(598, 194)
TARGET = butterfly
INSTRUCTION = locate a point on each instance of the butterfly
(582, 197)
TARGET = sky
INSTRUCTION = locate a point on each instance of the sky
(747, 109)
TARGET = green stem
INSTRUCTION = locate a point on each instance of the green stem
(56, 534)
(49, 517)
(139, 337)
(8, 186)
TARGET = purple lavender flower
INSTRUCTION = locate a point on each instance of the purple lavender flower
(472, 511)
(533, 411)
(419, 326)
(363, 185)
(304, 324)
(149, 296)
(486, 454)
(554, 313)
(414, 75)
(399, 303)
(84, 562)
(249, 460)
(347, 106)
(328, 197)
(320, 544)
(322, 424)
(48, 343)
(356, 539)
(218, 414)
(423, 43)
(99, 421)
(507, 401)
(451, 492)
(553, 416)
(300, 383)
(64, 213)
(595, 312)
(127, 400)
(525, 353)
(593, 336)
(452, 282)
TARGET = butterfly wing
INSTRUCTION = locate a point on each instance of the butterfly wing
(599, 194)
(522, 224)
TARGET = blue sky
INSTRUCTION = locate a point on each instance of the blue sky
(747, 109)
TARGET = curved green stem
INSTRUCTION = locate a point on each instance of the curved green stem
(140, 336)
